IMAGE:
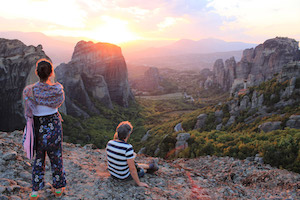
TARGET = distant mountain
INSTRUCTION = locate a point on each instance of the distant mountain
(185, 46)
(59, 49)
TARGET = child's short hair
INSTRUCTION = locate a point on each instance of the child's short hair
(124, 129)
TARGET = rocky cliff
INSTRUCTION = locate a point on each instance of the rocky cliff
(207, 177)
(97, 72)
(17, 66)
(256, 65)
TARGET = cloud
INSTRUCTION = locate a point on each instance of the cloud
(247, 20)
(258, 18)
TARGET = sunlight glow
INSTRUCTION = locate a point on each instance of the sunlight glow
(113, 30)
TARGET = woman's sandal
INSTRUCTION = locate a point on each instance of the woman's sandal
(57, 192)
(33, 197)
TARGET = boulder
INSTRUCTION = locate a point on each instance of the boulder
(294, 121)
(178, 127)
(219, 126)
(181, 142)
(230, 121)
(270, 126)
(146, 136)
(219, 116)
(200, 121)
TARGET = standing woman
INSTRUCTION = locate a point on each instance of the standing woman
(42, 101)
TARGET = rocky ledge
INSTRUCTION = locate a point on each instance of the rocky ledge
(206, 177)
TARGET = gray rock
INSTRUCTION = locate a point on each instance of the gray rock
(146, 136)
(219, 116)
(260, 100)
(245, 103)
(182, 141)
(219, 126)
(10, 156)
(142, 150)
(3, 197)
(294, 121)
(270, 126)
(231, 120)
(26, 176)
(200, 121)
(178, 127)
(2, 189)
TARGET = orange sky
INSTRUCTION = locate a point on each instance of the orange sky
(119, 21)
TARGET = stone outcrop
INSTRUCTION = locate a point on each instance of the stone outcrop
(17, 69)
(200, 121)
(206, 177)
(224, 75)
(97, 72)
(294, 121)
(270, 126)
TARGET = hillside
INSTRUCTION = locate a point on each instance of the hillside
(207, 177)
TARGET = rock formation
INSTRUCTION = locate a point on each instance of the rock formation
(256, 65)
(181, 142)
(97, 72)
(207, 177)
(270, 126)
(17, 69)
(149, 82)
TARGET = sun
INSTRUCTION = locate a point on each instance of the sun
(113, 30)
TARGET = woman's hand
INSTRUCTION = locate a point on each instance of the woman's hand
(141, 184)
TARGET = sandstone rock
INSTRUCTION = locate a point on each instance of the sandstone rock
(200, 121)
(294, 121)
(96, 72)
(270, 126)
(17, 66)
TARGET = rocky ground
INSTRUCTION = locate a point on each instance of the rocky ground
(206, 177)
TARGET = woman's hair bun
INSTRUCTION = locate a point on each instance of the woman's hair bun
(44, 68)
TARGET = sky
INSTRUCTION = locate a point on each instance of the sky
(119, 21)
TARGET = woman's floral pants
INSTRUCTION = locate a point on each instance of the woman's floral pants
(48, 138)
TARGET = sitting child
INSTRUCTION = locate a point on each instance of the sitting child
(120, 157)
